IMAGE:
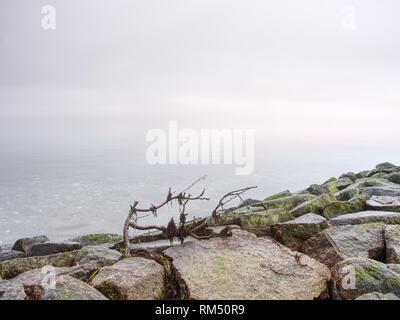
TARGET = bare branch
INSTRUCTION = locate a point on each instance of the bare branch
(182, 198)
(227, 198)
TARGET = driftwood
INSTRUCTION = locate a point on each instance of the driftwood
(183, 229)
(171, 230)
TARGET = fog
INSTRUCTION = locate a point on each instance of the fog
(317, 79)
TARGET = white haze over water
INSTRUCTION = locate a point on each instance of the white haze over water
(76, 103)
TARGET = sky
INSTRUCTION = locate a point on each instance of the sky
(111, 70)
(318, 81)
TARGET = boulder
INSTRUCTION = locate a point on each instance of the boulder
(347, 194)
(278, 195)
(318, 190)
(383, 203)
(338, 208)
(354, 277)
(356, 188)
(393, 177)
(11, 268)
(378, 296)
(362, 174)
(260, 223)
(55, 284)
(25, 244)
(92, 256)
(80, 272)
(97, 239)
(96, 256)
(8, 255)
(159, 245)
(332, 179)
(342, 183)
(385, 165)
(11, 291)
(387, 191)
(315, 205)
(367, 217)
(255, 219)
(287, 203)
(294, 232)
(47, 248)
(246, 267)
(68, 288)
(349, 175)
(339, 243)
(394, 267)
(382, 171)
(64, 288)
(131, 279)
(392, 238)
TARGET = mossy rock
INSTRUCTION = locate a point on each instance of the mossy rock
(333, 179)
(260, 223)
(350, 175)
(318, 190)
(338, 208)
(287, 203)
(93, 257)
(315, 205)
(278, 195)
(295, 232)
(393, 177)
(135, 278)
(97, 238)
(347, 193)
(335, 244)
(354, 277)
(362, 174)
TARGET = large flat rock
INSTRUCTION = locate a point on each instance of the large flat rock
(11, 291)
(293, 233)
(11, 254)
(367, 217)
(339, 243)
(55, 284)
(246, 267)
(25, 244)
(131, 279)
(91, 256)
(384, 203)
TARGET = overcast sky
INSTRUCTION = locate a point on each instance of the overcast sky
(215, 61)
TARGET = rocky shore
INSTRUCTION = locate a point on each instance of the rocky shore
(336, 240)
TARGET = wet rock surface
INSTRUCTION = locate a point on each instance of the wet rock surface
(11, 291)
(339, 243)
(378, 296)
(25, 244)
(355, 277)
(12, 254)
(367, 217)
(295, 232)
(95, 257)
(246, 267)
(131, 279)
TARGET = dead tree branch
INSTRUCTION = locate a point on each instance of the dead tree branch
(237, 194)
(170, 231)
